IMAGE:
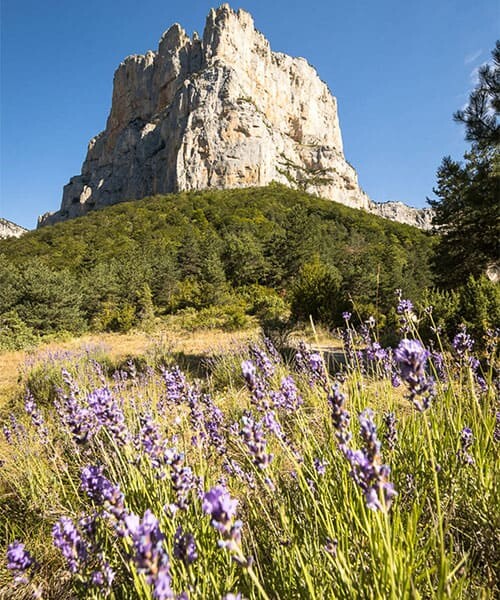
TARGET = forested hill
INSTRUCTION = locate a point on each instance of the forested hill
(199, 249)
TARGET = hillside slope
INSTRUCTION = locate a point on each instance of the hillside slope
(197, 249)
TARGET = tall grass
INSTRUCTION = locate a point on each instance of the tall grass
(332, 500)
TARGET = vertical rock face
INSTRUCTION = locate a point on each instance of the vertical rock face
(10, 229)
(219, 112)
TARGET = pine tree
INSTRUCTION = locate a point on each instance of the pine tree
(467, 211)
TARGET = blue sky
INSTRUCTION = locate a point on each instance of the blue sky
(399, 70)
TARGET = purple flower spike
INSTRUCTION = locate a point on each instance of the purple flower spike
(150, 557)
(222, 508)
(70, 542)
(366, 468)
(19, 561)
(185, 546)
(462, 343)
(466, 441)
(412, 357)
(102, 491)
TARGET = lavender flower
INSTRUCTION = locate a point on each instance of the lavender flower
(256, 384)
(391, 434)
(254, 439)
(36, 417)
(108, 413)
(320, 466)
(340, 416)
(262, 361)
(496, 433)
(404, 307)
(466, 441)
(462, 343)
(19, 561)
(150, 556)
(182, 478)
(103, 577)
(102, 491)
(175, 384)
(272, 351)
(68, 539)
(222, 509)
(311, 364)
(185, 546)
(412, 357)
(288, 396)
(346, 316)
(366, 468)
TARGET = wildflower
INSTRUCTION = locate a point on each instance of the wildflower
(103, 576)
(182, 478)
(185, 546)
(151, 441)
(311, 363)
(19, 561)
(331, 546)
(346, 316)
(366, 468)
(256, 384)
(320, 466)
(222, 509)
(340, 416)
(36, 417)
(254, 439)
(108, 413)
(466, 441)
(271, 350)
(404, 307)
(496, 433)
(262, 361)
(288, 396)
(412, 357)
(391, 434)
(101, 490)
(68, 539)
(462, 343)
(150, 557)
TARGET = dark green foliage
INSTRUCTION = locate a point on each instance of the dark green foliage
(234, 248)
(480, 306)
(467, 209)
(14, 333)
(315, 292)
(476, 304)
(48, 300)
(468, 217)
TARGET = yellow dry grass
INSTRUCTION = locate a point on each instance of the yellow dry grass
(120, 346)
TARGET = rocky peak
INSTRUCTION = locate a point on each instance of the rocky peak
(10, 229)
(224, 111)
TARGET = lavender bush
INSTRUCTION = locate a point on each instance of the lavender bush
(378, 479)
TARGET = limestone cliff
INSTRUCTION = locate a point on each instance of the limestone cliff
(10, 229)
(223, 111)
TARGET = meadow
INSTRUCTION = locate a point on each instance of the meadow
(257, 472)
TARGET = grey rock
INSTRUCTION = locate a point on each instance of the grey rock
(10, 229)
(224, 111)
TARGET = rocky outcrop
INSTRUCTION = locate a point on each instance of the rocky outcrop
(10, 229)
(398, 211)
(223, 111)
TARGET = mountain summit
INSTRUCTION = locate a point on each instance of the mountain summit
(219, 112)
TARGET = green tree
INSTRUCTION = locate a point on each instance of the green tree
(467, 208)
(50, 301)
(315, 292)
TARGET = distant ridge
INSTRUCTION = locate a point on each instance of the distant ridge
(219, 112)
(10, 229)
